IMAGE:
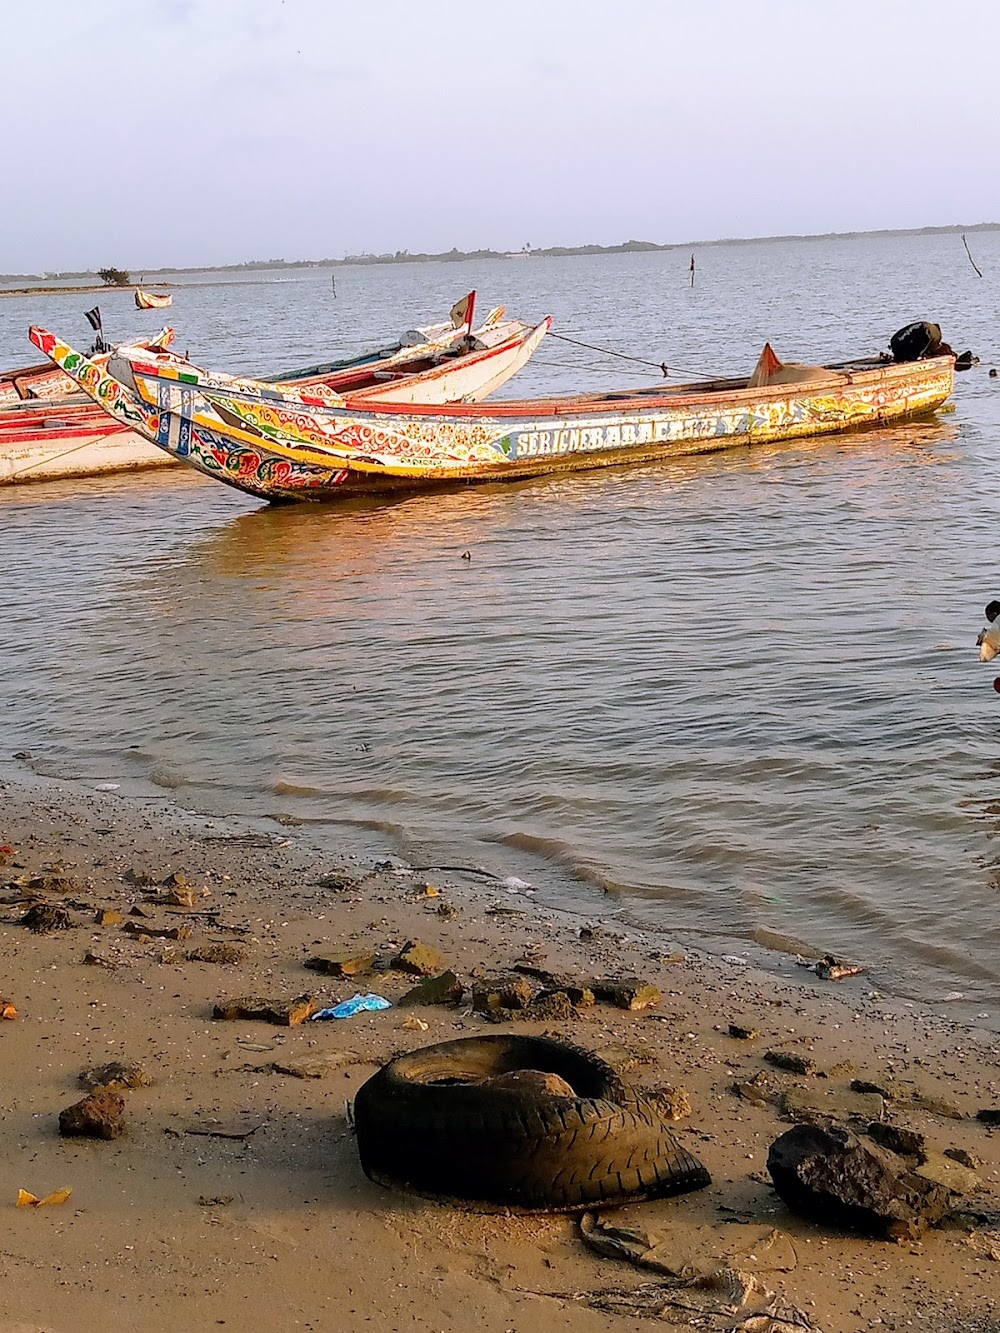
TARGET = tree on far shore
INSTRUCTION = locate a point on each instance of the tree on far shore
(114, 277)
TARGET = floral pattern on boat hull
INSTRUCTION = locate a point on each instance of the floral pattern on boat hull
(220, 458)
(465, 443)
(245, 468)
(316, 395)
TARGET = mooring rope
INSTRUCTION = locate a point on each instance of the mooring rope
(53, 458)
(538, 360)
(639, 360)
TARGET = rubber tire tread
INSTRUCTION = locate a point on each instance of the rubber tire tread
(425, 1121)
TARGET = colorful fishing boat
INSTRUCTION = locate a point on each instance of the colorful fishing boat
(287, 444)
(44, 382)
(46, 434)
(48, 429)
(152, 300)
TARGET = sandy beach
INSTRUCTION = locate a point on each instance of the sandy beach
(168, 1228)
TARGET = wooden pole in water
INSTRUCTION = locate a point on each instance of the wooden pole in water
(969, 253)
(333, 279)
(692, 270)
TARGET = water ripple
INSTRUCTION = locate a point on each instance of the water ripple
(735, 696)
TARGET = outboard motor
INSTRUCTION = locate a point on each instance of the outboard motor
(918, 340)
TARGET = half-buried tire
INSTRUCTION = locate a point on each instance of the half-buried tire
(433, 1122)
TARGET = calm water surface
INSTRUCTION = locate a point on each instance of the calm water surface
(738, 692)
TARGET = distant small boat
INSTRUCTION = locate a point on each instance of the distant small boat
(152, 300)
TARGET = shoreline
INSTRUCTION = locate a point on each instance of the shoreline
(103, 287)
(774, 952)
(305, 1240)
(53, 291)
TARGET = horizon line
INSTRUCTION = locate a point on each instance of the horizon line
(455, 255)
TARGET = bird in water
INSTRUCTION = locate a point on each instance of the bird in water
(988, 642)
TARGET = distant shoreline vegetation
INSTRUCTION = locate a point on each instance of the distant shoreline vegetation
(529, 252)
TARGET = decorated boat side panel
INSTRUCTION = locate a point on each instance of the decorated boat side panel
(443, 444)
(54, 384)
(251, 470)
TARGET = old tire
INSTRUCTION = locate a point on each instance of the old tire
(428, 1122)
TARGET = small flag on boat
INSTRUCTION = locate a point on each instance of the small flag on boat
(93, 317)
(461, 311)
(765, 368)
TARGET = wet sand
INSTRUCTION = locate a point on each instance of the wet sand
(305, 1240)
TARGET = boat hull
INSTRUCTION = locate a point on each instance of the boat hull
(152, 300)
(468, 379)
(50, 431)
(87, 449)
(280, 451)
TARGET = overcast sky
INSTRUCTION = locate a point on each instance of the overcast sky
(148, 132)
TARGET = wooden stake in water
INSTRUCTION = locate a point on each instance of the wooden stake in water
(969, 253)
(333, 279)
(692, 270)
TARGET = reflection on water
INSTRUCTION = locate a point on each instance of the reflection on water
(737, 692)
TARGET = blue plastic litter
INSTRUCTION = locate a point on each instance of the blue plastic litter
(355, 1005)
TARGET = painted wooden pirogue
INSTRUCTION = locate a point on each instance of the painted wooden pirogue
(152, 300)
(286, 446)
(47, 383)
(49, 429)
(44, 434)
